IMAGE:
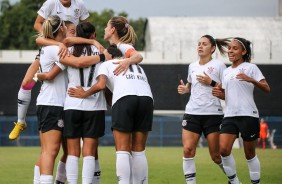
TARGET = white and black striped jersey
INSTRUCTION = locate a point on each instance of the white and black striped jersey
(85, 77)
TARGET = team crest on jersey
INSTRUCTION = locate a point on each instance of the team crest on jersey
(60, 123)
(210, 70)
(242, 70)
(184, 122)
(76, 12)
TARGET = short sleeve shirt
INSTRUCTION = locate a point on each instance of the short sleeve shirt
(76, 12)
(201, 101)
(239, 98)
(133, 82)
(85, 77)
(53, 92)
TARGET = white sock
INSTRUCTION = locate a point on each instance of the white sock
(189, 170)
(230, 169)
(88, 169)
(61, 172)
(72, 169)
(130, 163)
(139, 167)
(254, 170)
(123, 167)
(36, 176)
(46, 179)
(221, 167)
(97, 173)
(24, 98)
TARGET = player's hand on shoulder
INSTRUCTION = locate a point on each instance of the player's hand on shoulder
(122, 66)
(63, 50)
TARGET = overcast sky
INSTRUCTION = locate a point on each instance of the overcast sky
(146, 8)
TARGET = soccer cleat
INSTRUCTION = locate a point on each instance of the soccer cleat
(15, 133)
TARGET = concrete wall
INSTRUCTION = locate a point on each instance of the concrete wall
(163, 79)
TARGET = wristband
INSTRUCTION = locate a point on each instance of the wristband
(213, 83)
(102, 57)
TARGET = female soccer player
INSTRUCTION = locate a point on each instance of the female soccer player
(69, 10)
(203, 112)
(51, 99)
(241, 114)
(47, 32)
(118, 31)
(132, 115)
(84, 118)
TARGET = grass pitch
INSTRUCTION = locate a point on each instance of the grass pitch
(165, 166)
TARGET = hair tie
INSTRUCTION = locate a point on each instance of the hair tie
(240, 43)
(126, 25)
(58, 26)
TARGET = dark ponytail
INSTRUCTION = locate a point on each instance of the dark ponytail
(221, 44)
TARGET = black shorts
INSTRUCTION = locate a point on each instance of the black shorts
(132, 114)
(50, 118)
(84, 124)
(205, 124)
(246, 125)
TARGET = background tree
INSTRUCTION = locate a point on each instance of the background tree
(17, 25)
(4, 5)
(17, 22)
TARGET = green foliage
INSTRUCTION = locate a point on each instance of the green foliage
(100, 21)
(139, 27)
(5, 5)
(17, 22)
(17, 25)
(165, 165)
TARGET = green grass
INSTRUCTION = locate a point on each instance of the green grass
(165, 166)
